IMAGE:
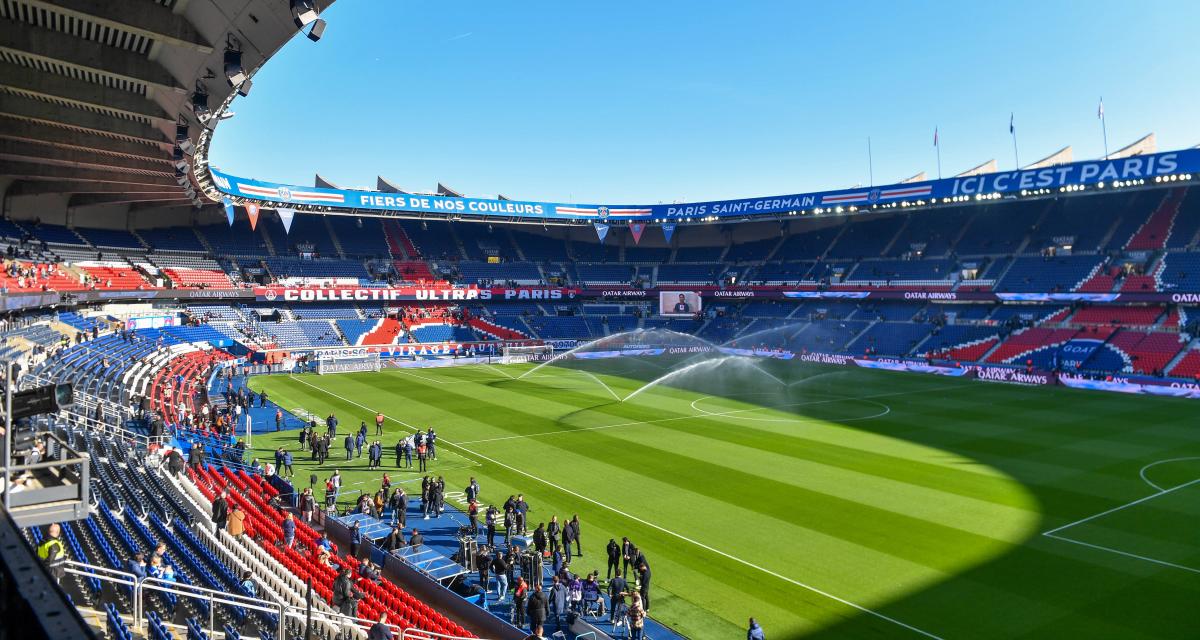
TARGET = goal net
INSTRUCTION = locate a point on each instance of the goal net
(344, 363)
(536, 353)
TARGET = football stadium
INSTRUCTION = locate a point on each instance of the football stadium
(961, 405)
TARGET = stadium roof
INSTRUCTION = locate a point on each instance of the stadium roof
(94, 91)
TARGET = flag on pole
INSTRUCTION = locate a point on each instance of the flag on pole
(601, 230)
(1011, 127)
(252, 213)
(668, 230)
(228, 209)
(935, 137)
(285, 216)
(1100, 110)
(636, 228)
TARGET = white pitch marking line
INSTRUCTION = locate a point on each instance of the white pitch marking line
(1119, 552)
(1146, 468)
(652, 525)
(1120, 507)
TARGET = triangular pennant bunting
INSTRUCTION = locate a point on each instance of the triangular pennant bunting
(601, 230)
(668, 229)
(285, 216)
(636, 228)
(252, 213)
(228, 209)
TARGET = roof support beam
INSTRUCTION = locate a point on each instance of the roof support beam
(41, 187)
(65, 156)
(52, 48)
(36, 131)
(114, 199)
(147, 19)
(92, 122)
(34, 171)
(79, 94)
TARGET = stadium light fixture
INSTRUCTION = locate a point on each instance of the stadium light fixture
(200, 104)
(181, 178)
(304, 14)
(318, 30)
(234, 72)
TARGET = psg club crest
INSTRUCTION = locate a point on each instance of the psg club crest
(873, 196)
(285, 193)
(269, 294)
(602, 211)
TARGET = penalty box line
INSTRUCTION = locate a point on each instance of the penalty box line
(656, 527)
(1054, 533)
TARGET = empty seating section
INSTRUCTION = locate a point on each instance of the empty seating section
(866, 239)
(563, 327)
(780, 273)
(1180, 272)
(1026, 340)
(1085, 219)
(326, 312)
(520, 272)
(1116, 315)
(53, 234)
(752, 251)
(890, 338)
(826, 335)
(202, 278)
(441, 333)
(1188, 366)
(1187, 222)
(308, 229)
(687, 274)
(929, 232)
(539, 247)
(433, 240)
(303, 333)
(1047, 274)
(163, 239)
(1154, 231)
(1149, 352)
(997, 229)
(647, 254)
(109, 238)
(961, 342)
(359, 237)
(893, 311)
(236, 240)
(904, 270)
(605, 273)
(413, 270)
(322, 268)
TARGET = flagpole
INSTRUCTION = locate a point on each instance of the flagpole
(1013, 129)
(870, 162)
(1104, 127)
(937, 145)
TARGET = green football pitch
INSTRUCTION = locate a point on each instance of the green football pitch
(825, 502)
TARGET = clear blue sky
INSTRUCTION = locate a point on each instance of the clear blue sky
(643, 102)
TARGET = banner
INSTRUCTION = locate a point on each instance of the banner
(252, 213)
(285, 216)
(601, 231)
(1112, 172)
(668, 231)
(445, 294)
(636, 228)
(228, 209)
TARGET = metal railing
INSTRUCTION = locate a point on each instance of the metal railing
(335, 622)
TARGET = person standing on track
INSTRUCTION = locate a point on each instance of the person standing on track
(575, 534)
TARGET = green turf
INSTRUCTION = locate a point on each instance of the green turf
(921, 499)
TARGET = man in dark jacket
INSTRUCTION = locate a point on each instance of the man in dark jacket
(644, 580)
(220, 510)
(349, 447)
(537, 608)
(568, 536)
(380, 630)
(617, 589)
(346, 595)
(575, 535)
(614, 557)
(553, 531)
(394, 540)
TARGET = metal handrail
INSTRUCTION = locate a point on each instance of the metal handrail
(282, 609)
